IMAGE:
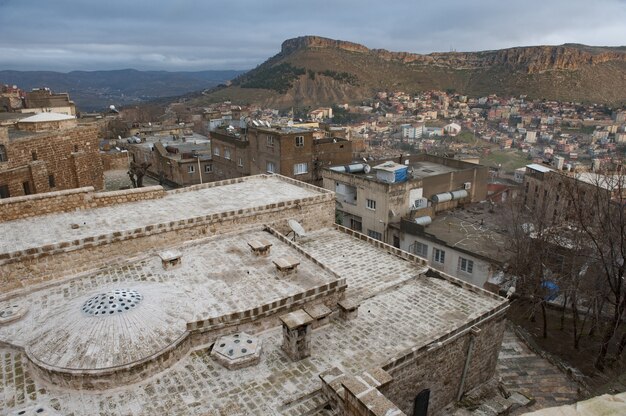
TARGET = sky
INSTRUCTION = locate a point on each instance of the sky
(185, 35)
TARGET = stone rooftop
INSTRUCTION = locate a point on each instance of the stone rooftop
(216, 278)
(400, 310)
(175, 206)
(169, 315)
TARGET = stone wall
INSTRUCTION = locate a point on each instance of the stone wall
(55, 160)
(439, 365)
(71, 200)
(114, 161)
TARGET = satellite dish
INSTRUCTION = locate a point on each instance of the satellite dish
(112, 107)
(296, 228)
(119, 137)
(290, 123)
(367, 169)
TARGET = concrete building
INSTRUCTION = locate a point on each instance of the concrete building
(49, 152)
(374, 202)
(157, 304)
(462, 243)
(176, 160)
(290, 151)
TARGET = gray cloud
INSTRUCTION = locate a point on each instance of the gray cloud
(240, 34)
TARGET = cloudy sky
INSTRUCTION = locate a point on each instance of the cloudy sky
(63, 35)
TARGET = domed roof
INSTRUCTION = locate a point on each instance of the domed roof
(113, 327)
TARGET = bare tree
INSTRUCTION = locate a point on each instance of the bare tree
(598, 204)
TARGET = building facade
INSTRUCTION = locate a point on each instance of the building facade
(294, 152)
(368, 203)
(49, 153)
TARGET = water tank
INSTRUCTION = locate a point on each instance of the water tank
(425, 220)
(459, 194)
(353, 168)
(443, 197)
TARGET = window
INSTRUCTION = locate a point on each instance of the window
(375, 234)
(191, 168)
(466, 265)
(51, 181)
(216, 151)
(299, 141)
(4, 191)
(227, 154)
(420, 249)
(3, 154)
(270, 167)
(439, 256)
(270, 141)
(26, 186)
(300, 168)
(371, 204)
(75, 148)
(356, 224)
(240, 162)
(208, 168)
(34, 154)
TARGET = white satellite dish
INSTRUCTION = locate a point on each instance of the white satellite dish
(367, 169)
(296, 228)
(290, 123)
(112, 107)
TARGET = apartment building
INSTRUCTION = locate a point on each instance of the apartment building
(296, 152)
(374, 199)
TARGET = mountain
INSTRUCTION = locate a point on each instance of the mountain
(95, 90)
(311, 71)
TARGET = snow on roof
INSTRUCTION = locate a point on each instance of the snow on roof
(539, 168)
(41, 117)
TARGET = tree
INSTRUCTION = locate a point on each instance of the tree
(598, 203)
(137, 172)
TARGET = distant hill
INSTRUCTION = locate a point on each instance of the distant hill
(95, 90)
(312, 70)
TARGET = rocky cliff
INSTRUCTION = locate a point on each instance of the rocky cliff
(312, 71)
(531, 59)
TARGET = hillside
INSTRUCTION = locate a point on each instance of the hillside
(312, 70)
(95, 90)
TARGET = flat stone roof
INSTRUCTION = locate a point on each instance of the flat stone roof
(401, 309)
(176, 205)
(216, 277)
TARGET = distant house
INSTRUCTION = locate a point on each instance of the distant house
(452, 129)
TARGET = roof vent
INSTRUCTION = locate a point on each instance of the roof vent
(237, 351)
(286, 265)
(10, 312)
(260, 247)
(170, 259)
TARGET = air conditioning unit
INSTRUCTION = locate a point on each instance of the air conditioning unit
(467, 185)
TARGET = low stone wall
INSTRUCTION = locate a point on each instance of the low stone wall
(71, 200)
(114, 161)
(54, 261)
(439, 365)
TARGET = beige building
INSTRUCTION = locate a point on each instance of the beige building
(194, 301)
(373, 199)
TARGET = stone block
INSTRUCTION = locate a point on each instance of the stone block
(320, 313)
(348, 309)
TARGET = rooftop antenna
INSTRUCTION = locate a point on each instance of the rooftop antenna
(296, 229)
